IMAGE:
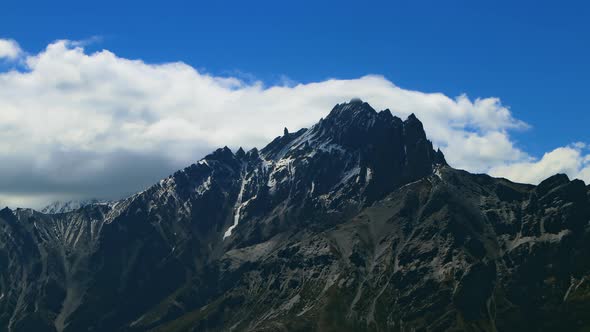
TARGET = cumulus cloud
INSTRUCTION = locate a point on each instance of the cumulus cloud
(570, 160)
(94, 125)
(9, 49)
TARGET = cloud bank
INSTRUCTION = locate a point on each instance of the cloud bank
(75, 124)
(571, 160)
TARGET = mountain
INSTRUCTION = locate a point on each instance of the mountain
(355, 224)
(71, 205)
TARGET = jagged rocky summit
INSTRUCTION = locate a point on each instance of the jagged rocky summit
(355, 224)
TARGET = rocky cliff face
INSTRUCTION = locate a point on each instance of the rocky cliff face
(353, 224)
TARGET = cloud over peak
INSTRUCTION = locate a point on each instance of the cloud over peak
(95, 125)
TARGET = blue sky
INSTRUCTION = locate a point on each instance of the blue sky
(532, 55)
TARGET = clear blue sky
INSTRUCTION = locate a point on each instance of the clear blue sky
(534, 55)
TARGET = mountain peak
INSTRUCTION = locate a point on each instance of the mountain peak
(5, 212)
(356, 126)
(240, 153)
(221, 154)
(414, 129)
(384, 150)
(350, 109)
(552, 182)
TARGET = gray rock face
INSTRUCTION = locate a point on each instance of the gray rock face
(353, 224)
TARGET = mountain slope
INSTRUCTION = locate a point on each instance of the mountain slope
(67, 206)
(356, 223)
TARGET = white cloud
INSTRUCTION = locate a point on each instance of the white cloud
(9, 49)
(570, 160)
(98, 125)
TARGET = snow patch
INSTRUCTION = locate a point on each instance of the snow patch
(271, 182)
(239, 207)
(266, 164)
(547, 237)
(571, 287)
(291, 303)
(206, 185)
(438, 173)
(279, 166)
(350, 174)
(329, 147)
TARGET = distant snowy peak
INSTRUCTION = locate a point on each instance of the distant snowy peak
(67, 206)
